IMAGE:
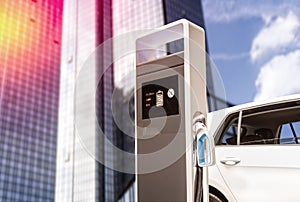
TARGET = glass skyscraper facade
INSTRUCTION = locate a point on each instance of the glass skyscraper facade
(30, 52)
(77, 172)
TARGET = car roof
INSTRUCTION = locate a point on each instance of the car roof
(215, 118)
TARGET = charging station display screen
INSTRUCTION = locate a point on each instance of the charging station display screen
(159, 97)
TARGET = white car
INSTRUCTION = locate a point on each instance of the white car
(257, 152)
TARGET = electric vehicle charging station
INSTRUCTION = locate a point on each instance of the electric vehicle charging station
(171, 137)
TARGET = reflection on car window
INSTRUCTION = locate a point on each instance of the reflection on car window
(289, 133)
(230, 137)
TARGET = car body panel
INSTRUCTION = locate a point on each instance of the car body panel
(216, 180)
(259, 176)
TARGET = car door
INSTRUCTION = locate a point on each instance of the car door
(262, 169)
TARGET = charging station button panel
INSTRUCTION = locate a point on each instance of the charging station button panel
(159, 97)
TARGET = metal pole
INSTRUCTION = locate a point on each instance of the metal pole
(205, 185)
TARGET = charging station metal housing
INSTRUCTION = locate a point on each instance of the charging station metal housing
(169, 90)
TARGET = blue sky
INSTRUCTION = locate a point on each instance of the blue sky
(255, 46)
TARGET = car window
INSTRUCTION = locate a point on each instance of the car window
(228, 131)
(230, 136)
(290, 133)
(268, 126)
(258, 136)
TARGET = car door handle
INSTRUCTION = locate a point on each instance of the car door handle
(230, 161)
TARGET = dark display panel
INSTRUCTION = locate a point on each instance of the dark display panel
(159, 97)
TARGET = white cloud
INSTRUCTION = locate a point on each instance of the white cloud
(276, 34)
(278, 77)
(276, 44)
